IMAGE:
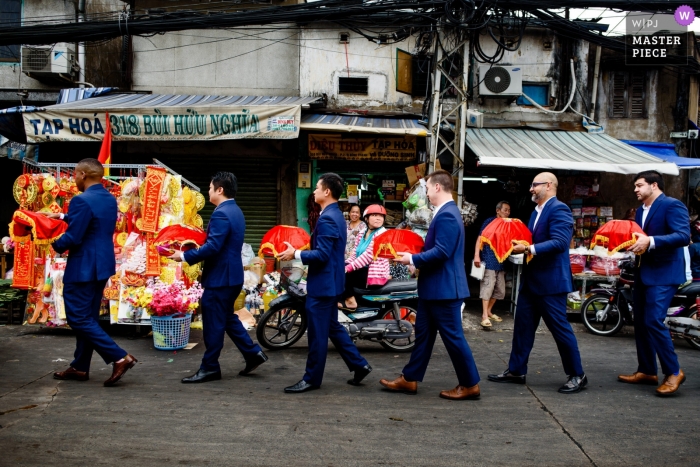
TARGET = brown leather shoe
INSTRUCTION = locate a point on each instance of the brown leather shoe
(400, 385)
(72, 373)
(671, 384)
(461, 393)
(639, 378)
(120, 368)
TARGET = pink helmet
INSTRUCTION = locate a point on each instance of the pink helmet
(374, 209)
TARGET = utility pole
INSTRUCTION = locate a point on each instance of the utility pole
(443, 108)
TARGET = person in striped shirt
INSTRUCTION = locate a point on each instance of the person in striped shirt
(361, 269)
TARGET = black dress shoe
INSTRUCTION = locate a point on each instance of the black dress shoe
(574, 385)
(253, 363)
(507, 377)
(203, 376)
(360, 374)
(301, 386)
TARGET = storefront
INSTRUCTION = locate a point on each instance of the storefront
(375, 156)
(252, 136)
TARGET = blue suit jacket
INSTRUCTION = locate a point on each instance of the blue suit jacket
(667, 222)
(91, 219)
(222, 250)
(326, 259)
(549, 271)
(441, 263)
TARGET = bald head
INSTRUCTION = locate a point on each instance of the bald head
(544, 186)
(88, 172)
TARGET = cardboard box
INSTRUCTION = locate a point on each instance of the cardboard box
(605, 211)
(415, 173)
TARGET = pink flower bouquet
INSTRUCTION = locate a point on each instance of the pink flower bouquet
(174, 299)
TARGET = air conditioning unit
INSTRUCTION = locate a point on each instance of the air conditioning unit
(500, 80)
(48, 60)
(475, 118)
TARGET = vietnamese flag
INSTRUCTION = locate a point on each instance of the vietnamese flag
(105, 156)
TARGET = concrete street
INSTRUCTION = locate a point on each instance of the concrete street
(150, 418)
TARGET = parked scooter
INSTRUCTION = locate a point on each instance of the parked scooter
(610, 306)
(382, 315)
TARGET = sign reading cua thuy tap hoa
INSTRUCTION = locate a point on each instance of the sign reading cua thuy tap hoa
(165, 124)
(382, 148)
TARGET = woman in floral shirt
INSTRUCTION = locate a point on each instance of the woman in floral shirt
(356, 228)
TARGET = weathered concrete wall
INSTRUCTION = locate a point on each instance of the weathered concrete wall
(103, 66)
(247, 61)
(323, 59)
(544, 58)
(10, 75)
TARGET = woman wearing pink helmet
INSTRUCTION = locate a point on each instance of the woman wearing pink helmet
(361, 269)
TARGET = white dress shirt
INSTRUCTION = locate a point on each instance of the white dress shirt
(435, 212)
(539, 210)
(645, 213)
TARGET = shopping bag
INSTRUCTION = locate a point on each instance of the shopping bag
(477, 273)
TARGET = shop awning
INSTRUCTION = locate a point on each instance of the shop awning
(665, 151)
(157, 117)
(561, 150)
(362, 124)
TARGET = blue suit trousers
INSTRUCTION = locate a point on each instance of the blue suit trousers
(322, 315)
(652, 336)
(444, 316)
(218, 317)
(552, 309)
(82, 300)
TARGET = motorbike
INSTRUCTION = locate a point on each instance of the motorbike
(385, 315)
(609, 307)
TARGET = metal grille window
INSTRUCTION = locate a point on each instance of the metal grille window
(10, 16)
(628, 94)
(353, 85)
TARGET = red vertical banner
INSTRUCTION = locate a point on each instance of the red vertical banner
(152, 256)
(155, 177)
(23, 277)
(105, 156)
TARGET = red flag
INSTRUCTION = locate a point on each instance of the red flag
(105, 156)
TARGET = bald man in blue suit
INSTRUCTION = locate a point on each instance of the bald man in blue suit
(546, 281)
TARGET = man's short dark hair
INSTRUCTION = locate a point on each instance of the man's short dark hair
(227, 181)
(442, 178)
(501, 203)
(333, 182)
(651, 176)
(93, 166)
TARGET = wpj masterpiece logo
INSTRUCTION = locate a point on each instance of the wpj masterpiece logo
(658, 39)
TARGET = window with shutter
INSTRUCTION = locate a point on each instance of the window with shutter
(628, 94)
(617, 109)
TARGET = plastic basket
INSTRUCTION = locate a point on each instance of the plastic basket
(171, 332)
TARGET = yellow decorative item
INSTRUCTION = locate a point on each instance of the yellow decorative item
(121, 238)
(25, 190)
(177, 205)
(123, 205)
(139, 224)
(192, 272)
(199, 200)
(49, 183)
(198, 221)
(167, 275)
(187, 195)
(47, 199)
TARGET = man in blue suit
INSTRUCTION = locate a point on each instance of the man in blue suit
(442, 288)
(91, 220)
(661, 269)
(325, 282)
(546, 281)
(222, 279)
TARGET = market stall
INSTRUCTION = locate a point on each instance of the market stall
(150, 198)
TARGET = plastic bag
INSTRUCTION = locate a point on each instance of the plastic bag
(420, 217)
(417, 197)
(247, 254)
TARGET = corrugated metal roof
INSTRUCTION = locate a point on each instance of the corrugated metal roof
(362, 124)
(562, 150)
(134, 101)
